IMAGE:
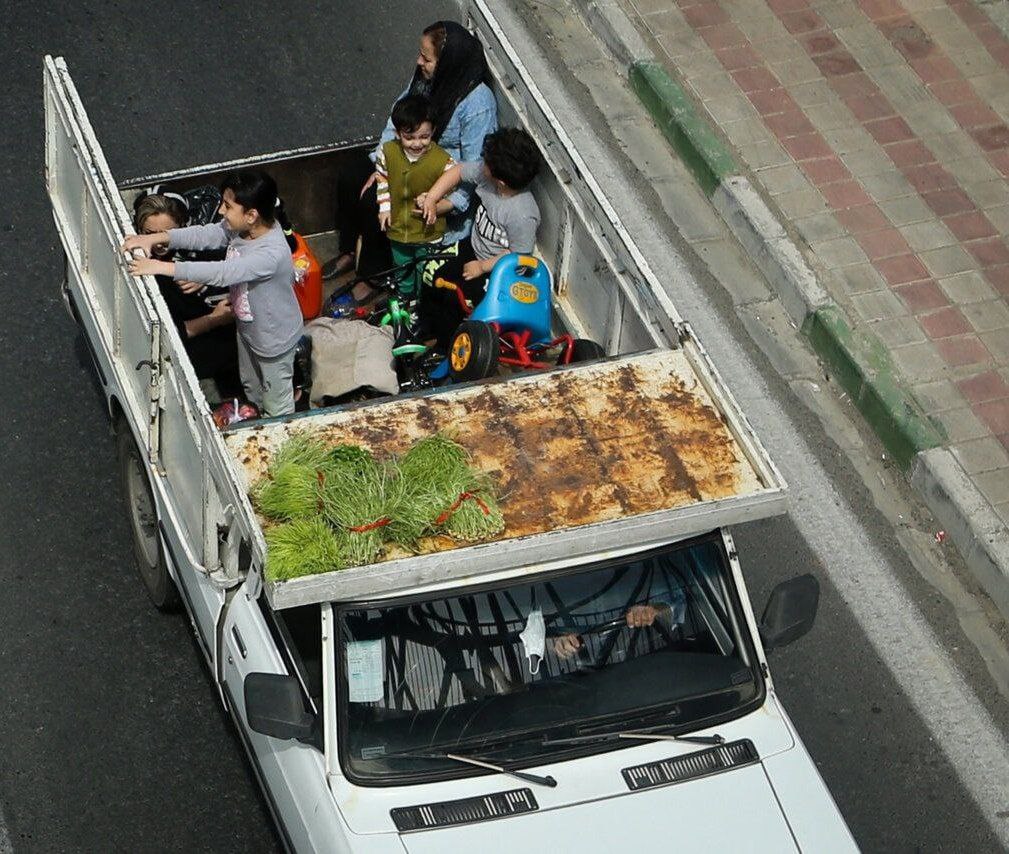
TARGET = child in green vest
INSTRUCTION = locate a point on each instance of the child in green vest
(407, 167)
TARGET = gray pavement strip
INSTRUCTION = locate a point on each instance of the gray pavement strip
(862, 574)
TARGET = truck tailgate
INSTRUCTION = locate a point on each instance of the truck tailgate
(631, 451)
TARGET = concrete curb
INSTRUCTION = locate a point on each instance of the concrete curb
(968, 518)
(859, 361)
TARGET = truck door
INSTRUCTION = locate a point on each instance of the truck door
(139, 357)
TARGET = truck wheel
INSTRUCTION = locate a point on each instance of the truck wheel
(143, 517)
(474, 351)
(585, 350)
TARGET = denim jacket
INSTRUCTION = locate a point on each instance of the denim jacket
(473, 119)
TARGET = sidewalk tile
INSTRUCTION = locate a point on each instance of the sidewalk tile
(902, 269)
(857, 279)
(968, 287)
(866, 162)
(863, 218)
(782, 179)
(897, 331)
(981, 455)
(761, 155)
(945, 323)
(999, 218)
(972, 170)
(849, 140)
(997, 342)
(839, 252)
(946, 202)
(938, 395)
(994, 485)
(820, 227)
(987, 316)
(969, 226)
(947, 261)
(961, 425)
(846, 194)
(995, 414)
(812, 93)
(713, 86)
(887, 185)
(883, 244)
(922, 296)
(879, 305)
(825, 170)
(906, 210)
(919, 362)
(808, 146)
(801, 203)
(892, 129)
(989, 253)
(729, 109)
(963, 350)
(911, 152)
(998, 277)
(984, 387)
(927, 235)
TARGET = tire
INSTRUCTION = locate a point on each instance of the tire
(584, 350)
(473, 354)
(142, 514)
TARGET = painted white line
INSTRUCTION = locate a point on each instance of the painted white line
(866, 581)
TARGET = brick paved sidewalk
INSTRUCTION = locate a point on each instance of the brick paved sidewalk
(879, 130)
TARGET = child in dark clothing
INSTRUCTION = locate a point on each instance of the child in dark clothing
(507, 218)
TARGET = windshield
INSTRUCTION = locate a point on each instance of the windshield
(647, 640)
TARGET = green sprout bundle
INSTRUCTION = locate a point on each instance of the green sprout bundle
(301, 449)
(339, 505)
(438, 477)
(291, 493)
(302, 547)
(354, 499)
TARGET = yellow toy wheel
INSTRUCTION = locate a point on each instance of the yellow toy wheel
(474, 351)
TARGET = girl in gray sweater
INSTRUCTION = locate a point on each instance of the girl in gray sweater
(259, 275)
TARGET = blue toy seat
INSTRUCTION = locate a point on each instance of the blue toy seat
(518, 297)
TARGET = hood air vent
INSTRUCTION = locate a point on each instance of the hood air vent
(693, 766)
(466, 811)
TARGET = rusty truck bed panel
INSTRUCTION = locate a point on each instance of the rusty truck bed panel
(570, 448)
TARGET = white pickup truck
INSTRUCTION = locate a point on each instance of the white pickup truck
(398, 706)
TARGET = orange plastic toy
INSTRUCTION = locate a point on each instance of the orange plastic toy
(307, 278)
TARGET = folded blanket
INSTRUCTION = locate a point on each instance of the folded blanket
(349, 354)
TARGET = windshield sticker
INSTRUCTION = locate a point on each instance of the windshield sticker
(365, 671)
(373, 752)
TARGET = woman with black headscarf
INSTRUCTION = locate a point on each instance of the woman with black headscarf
(452, 72)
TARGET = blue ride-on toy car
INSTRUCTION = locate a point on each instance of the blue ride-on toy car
(511, 325)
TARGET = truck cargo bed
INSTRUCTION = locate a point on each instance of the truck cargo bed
(633, 450)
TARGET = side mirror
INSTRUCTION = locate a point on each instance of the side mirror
(274, 707)
(790, 611)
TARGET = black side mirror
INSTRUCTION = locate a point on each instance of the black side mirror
(790, 611)
(274, 707)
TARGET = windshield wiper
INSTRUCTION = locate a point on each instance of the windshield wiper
(628, 734)
(539, 779)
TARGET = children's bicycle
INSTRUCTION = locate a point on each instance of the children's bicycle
(413, 359)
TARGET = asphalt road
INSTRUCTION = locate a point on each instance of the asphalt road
(110, 735)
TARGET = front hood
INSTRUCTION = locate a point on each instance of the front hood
(732, 811)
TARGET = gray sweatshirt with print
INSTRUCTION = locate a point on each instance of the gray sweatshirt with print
(259, 275)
